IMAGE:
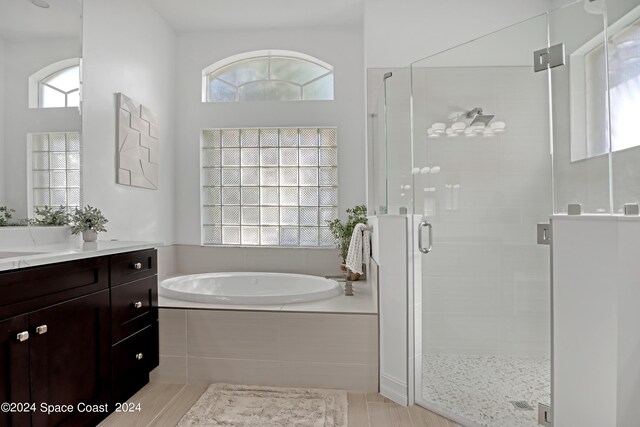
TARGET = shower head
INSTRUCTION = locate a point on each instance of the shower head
(478, 117)
(485, 119)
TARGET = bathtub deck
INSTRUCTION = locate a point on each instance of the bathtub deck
(364, 301)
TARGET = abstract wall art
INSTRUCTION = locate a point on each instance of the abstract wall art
(138, 144)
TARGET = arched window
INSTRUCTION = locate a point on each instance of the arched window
(268, 75)
(56, 85)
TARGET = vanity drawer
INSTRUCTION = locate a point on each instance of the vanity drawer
(133, 307)
(133, 266)
(133, 359)
(33, 288)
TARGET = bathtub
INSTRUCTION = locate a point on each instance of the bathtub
(249, 288)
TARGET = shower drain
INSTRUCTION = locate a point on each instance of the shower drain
(521, 404)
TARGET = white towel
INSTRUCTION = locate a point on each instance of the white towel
(359, 248)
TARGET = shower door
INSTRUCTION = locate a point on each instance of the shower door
(481, 183)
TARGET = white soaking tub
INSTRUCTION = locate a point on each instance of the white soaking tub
(249, 288)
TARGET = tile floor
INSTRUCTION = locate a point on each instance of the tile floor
(480, 388)
(164, 404)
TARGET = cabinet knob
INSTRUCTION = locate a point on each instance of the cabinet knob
(137, 266)
(137, 304)
(23, 336)
(41, 330)
(139, 356)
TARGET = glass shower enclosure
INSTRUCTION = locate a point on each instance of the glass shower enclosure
(482, 182)
(481, 148)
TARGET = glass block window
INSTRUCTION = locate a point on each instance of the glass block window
(60, 89)
(268, 76)
(55, 166)
(271, 187)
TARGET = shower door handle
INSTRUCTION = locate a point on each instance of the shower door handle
(420, 246)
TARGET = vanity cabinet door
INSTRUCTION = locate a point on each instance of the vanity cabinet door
(14, 370)
(70, 359)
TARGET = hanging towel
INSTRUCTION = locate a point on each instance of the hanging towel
(359, 248)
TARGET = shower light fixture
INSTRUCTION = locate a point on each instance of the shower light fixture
(470, 124)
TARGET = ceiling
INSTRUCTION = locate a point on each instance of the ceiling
(209, 15)
(20, 19)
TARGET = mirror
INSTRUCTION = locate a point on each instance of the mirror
(40, 127)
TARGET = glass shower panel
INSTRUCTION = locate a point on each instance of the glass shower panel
(623, 33)
(389, 121)
(581, 143)
(397, 117)
(377, 153)
(481, 171)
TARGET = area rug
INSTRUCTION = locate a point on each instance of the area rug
(240, 405)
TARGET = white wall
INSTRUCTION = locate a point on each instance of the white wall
(400, 32)
(486, 282)
(23, 58)
(341, 47)
(389, 251)
(127, 48)
(596, 317)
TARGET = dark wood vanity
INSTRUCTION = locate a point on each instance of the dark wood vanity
(82, 333)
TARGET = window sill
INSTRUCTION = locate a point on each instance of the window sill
(269, 247)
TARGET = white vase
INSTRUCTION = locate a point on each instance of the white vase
(90, 235)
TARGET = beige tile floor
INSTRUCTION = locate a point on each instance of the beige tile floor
(164, 404)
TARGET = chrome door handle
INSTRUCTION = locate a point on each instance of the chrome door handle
(420, 246)
(137, 304)
(139, 356)
(22, 336)
(41, 330)
(136, 266)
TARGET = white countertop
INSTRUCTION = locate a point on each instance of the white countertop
(42, 254)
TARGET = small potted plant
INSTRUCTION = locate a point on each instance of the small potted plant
(5, 216)
(89, 221)
(343, 231)
(48, 216)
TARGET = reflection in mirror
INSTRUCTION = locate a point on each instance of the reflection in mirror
(40, 128)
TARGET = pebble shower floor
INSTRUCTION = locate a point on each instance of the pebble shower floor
(481, 388)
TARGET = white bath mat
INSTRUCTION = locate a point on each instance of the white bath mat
(240, 405)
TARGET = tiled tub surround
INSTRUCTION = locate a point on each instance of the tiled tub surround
(325, 350)
(480, 388)
(193, 259)
(331, 343)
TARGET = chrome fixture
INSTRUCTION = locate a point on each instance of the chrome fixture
(137, 266)
(41, 330)
(137, 304)
(139, 356)
(574, 209)
(544, 415)
(478, 117)
(420, 246)
(544, 234)
(22, 336)
(548, 57)
(631, 209)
